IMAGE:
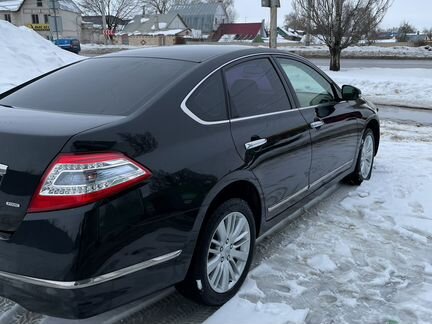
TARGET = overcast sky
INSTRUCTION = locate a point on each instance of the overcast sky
(417, 12)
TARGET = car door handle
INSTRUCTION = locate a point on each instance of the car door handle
(255, 144)
(316, 124)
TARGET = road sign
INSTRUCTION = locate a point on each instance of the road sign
(56, 24)
(39, 27)
(270, 3)
(108, 32)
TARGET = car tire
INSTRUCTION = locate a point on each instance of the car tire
(216, 255)
(365, 160)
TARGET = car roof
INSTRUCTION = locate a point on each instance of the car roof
(193, 53)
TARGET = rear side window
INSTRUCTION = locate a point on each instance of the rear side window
(109, 86)
(255, 89)
(208, 100)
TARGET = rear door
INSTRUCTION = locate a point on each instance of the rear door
(333, 124)
(272, 138)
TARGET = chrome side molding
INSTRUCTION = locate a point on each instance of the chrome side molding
(283, 202)
(92, 281)
(311, 186)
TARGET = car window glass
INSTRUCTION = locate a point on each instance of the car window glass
(310, 87)
(255, 88)
(108, 86)
(208, 100)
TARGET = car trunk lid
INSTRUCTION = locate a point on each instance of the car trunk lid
(29, 141)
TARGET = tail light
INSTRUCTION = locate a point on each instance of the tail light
(74, 180)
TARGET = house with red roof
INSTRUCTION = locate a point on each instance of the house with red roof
(239, 32)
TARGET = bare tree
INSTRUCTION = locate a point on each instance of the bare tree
(163, 6)
(428, 33)
(158, 6)
(295, 21)
(342, 23)
(114, 10)
(229, 7)
(403, 31)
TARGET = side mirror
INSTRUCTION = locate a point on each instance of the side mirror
(350, 92)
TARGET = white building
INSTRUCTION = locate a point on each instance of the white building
(35, 14)
(202, 16)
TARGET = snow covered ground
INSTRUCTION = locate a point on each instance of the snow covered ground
(98, 47)
(362, 51)
(24, 54)
(362, 256)
(400, 87)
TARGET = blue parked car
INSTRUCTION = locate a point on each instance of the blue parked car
(69, 44)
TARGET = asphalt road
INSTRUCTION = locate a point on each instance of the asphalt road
(377, 63)
(406, 115)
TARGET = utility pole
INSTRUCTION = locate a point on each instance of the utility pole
(273, 25)
(309, 24)
(55, 17)
(103, 21)
(273, 5)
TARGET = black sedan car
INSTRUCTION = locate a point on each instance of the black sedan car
(125, 174)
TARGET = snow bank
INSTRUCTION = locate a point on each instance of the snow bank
(97, 47)
(400, 87)
(25, 54)
(363, 51)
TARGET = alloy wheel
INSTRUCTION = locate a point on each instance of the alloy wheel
(228, 252)
(367, 156)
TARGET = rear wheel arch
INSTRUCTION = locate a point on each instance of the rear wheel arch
(241, 189)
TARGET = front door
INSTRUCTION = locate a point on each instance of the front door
(333, 124)
(272, 138)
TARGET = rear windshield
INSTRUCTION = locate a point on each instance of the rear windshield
(108, 86)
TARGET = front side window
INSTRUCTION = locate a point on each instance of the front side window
(35, 19)
(310, 87)
(39, 3)
(255, 89)
(46, 19)
(8, 17)
(208, 101)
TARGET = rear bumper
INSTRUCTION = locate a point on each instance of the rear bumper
(85, 298)
(80, 262)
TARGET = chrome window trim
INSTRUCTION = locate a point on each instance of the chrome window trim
(92, 281)
(188, 112)
(283, 202)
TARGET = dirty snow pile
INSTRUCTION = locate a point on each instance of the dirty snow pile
(363, 255)
(98, 47)
(400, 87)
(24, 54)
(363, 51)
